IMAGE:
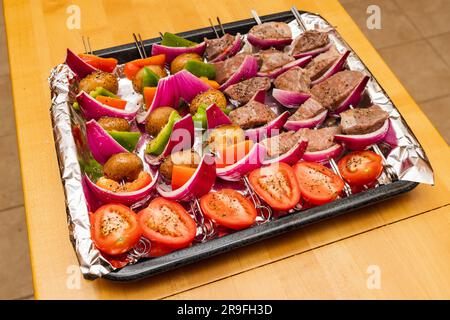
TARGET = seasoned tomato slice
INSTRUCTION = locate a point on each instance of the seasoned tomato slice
(276, 185)
(228, 208)
(167, 223)
(115, 229)
(317, 183)
(361, 167)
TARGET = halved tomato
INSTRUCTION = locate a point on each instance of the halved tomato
(361, 167)
(276, 185)
(229, 208)
(115, 229)
(167, 223)
(317, 183)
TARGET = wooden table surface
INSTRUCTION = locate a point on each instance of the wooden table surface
(403, 242)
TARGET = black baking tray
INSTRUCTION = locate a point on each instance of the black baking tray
(199, 251)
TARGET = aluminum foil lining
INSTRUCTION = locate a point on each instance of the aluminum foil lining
(407, 158)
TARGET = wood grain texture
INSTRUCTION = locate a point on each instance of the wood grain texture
(37, 38)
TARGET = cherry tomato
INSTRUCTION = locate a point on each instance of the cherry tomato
(115, 229)
(318, 184)
(276, 185)
(167, 223)
(361, 167)
(229, 208)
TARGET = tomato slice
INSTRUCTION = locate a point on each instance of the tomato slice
(166, 222)
(115, 229)
(181, 175)
(318, 184)
(229, 155)
(361, 167)
(276, 185)
(229, 208)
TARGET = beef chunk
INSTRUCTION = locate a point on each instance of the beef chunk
(243, 91)
(319, 139)
(320, 64)
(225, 69)
(271, 30)
(309, 109)
(363, 120)
(253, 114)
(215, 47)
(273, 59)
(331, 92)
(309, 40)
(295, 79)
(280, 144)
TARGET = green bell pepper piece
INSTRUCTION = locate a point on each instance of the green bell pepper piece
(100, 91)
(157, 145)
(200, 116)
(201, 69)
(128, 140)
(172, 40)
(149, 78)
(76, 106)
(92, 168)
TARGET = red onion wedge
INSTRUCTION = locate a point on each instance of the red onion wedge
(292, 156)
(93, 109)
(354, 97)
(267, 43)
(306, 123)
(253, 160)
(232, 51)
(311, 53)
(170, 89)
(101, 144)
(126, 198)
(199, 184)
(78, 65)
(323, 155)
(296, 63)
(290, 99)
(268, 130)
(361, 141)
(216, 117)
(181, 138)
(247, 70)
(172, 52)
(336, 67)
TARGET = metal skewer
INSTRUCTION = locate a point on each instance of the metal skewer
(266, 212)
(298, 17)
(221, 26)
(255, 16)
(214, 29)
(207, 226)
(161, 35)
(86, 44)
(139, 46)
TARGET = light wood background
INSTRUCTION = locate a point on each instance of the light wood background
(408, 237)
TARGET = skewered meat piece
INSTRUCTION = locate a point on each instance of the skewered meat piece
(331, 92)
(309, 40)
(271, 30)
(363, 120)
(243, 91)
(295, 79)
(225, 69)
(310, 108)
(322, 63)
(253, 114)
(215, 47)
(272, 59)
(319, 139)
(280, 144)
